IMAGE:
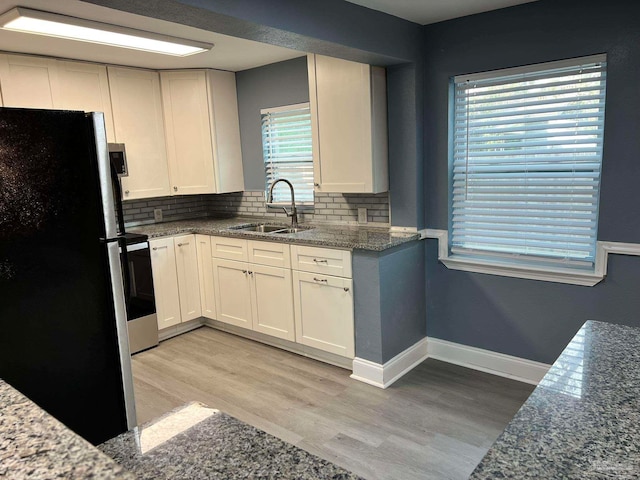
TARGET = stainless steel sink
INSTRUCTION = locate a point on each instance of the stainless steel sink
(291, 230)
(263, 228)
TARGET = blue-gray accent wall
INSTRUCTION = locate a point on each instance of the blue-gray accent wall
(527, 318)
(389, 302)
(275, 85)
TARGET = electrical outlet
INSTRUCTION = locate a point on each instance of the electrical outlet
(362, 215)
(157, 214)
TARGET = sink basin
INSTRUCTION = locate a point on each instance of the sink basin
(263, 228)
(291, 230)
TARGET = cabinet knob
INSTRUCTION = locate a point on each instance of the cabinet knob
(126, 192)
(155, 248)
(346, 289)
(251, 273)
(321, 280)
(244, 271)
(175, 189)
(316, 185)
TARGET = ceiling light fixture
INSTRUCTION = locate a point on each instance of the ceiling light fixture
(25, 20)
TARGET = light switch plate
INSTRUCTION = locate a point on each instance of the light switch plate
(362, 215)
(157, 214)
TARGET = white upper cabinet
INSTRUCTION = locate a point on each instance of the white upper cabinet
(35, 82)
(349, 125)
(137, 113)
(85, 86)
(27, 82)
(203, 133)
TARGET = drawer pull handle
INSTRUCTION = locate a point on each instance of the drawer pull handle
(251, 273)
(320, 261)
(181, 244)
(323, 280)
(346, 289)
(244, 271)
(158, 248)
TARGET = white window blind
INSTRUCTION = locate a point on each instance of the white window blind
(287, 152)
(527, 156)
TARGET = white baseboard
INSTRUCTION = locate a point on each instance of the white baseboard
(500, 364)
(383, 376)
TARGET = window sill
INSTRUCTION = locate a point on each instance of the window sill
(547, 274)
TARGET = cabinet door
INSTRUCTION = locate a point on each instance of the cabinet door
(348, 120)
(85, 87)
(137, 115)
(233, 292)
(272, 301)
(165, 282)
(324, 312)
(26, 81)
(225, 131)
(189, 147)
(188, 277)
(205, 270)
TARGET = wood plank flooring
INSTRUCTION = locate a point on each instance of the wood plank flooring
(437, 422)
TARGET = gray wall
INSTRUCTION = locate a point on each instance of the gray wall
(389, 302)
(283, 83)
(527, 318)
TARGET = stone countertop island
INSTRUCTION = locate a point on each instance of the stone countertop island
(35, 445)
(583, 420)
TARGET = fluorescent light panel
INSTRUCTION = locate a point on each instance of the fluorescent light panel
(25, 20)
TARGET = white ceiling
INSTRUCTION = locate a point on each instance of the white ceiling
(432, 11)
(229, 53)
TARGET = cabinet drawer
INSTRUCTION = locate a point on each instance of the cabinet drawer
(269, 253)
(326, 261)
(229, 248)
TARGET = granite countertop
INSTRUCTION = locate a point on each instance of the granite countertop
(348, 237)
(35, 445)
(195, 442)
(583, 420)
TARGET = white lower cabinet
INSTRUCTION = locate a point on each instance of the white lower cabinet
(232, 292)
(251, 284)
(256, 297)
(205, 271)
(165, 282)
(175, 279)
(272, 301)
(324, 312)
(188, 277)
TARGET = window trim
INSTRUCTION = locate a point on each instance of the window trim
(566, 276)
(301, 207)
(502, 266)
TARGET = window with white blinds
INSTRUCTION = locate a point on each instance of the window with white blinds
(287, 152)
(527, 157)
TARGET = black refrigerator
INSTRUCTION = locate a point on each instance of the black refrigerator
(63, 333)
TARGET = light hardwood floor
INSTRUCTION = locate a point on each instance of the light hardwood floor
(437, 422)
